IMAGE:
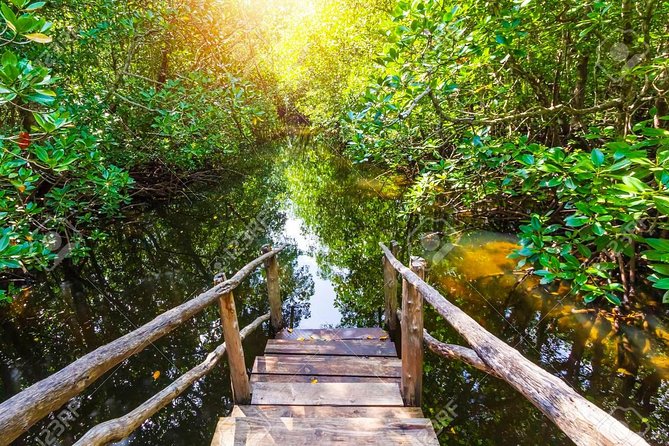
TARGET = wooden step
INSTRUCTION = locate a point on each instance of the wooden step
(318, 365)
(335, 347)
(327, 411)
(262, 431)
(265, 378)
(329, 334)
(327, 394)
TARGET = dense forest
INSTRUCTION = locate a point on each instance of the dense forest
(547, 115)
(547, 121)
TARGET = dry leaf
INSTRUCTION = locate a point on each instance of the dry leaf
(38, 37)
(370, 337)
(383, 338)
(156, 375)
(314, 381)
(300, 339)
(290, 330)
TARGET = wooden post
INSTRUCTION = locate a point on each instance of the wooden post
(390, 291)
(273, 290)
(412, 337)
(241, 389)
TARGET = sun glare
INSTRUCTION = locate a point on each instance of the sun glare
(298, 8)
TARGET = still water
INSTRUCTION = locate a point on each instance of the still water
(332, 215)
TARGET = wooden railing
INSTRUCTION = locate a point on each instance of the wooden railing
(578, 418)
(23, 410)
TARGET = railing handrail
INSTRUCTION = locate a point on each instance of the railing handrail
(578, 418)
(23, 410)
(119, 428)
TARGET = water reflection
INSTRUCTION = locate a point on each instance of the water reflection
(323, 312)
(620, 363)
(333, 215)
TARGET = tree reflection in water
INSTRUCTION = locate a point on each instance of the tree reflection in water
(163, 256)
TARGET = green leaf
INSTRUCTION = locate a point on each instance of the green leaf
(635, 183)
(615, 300)
(589, 298)
(526, 251)
(598, 229)
(42, 154)
(6, 263)
(535, 223)
(658, 244)
(35, 6)
(4, 242)
(662, 284)
(40, 98)
(665, 298)
(9, 59)
(9, 16)
(662, 269)
(575, 221)
(662, 204)
(597, 157)
(527, 159)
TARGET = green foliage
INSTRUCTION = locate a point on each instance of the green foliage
(609, 204)
(527, 107)
(135, 89)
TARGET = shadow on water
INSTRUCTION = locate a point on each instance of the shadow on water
(333, 215)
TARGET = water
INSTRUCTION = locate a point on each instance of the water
(333, 215)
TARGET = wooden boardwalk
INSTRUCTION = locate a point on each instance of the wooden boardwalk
(326, 387)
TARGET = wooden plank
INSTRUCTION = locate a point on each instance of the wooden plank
(330, 334)
(412, 337)
(241, 389)
(257, 378)
(390, 291)
(23, 410)
(582, 421)
(273, 289)
(327, 411)
(119, 428)
(225, 432)
(327, 394)
(337, 431)
(328, 365)
(336, 348)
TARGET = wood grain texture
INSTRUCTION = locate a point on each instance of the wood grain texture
(327, 411)
(457, 352)
(273, 289)
(582, 421)
(330, 334)
(336, 431)
(23, 410)
(241, 389)
(390, 291)
(412, 337)
(335, 347)
(328, 365)
(119, 428)
(225, 432)
(327, 394)
(265, 378)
